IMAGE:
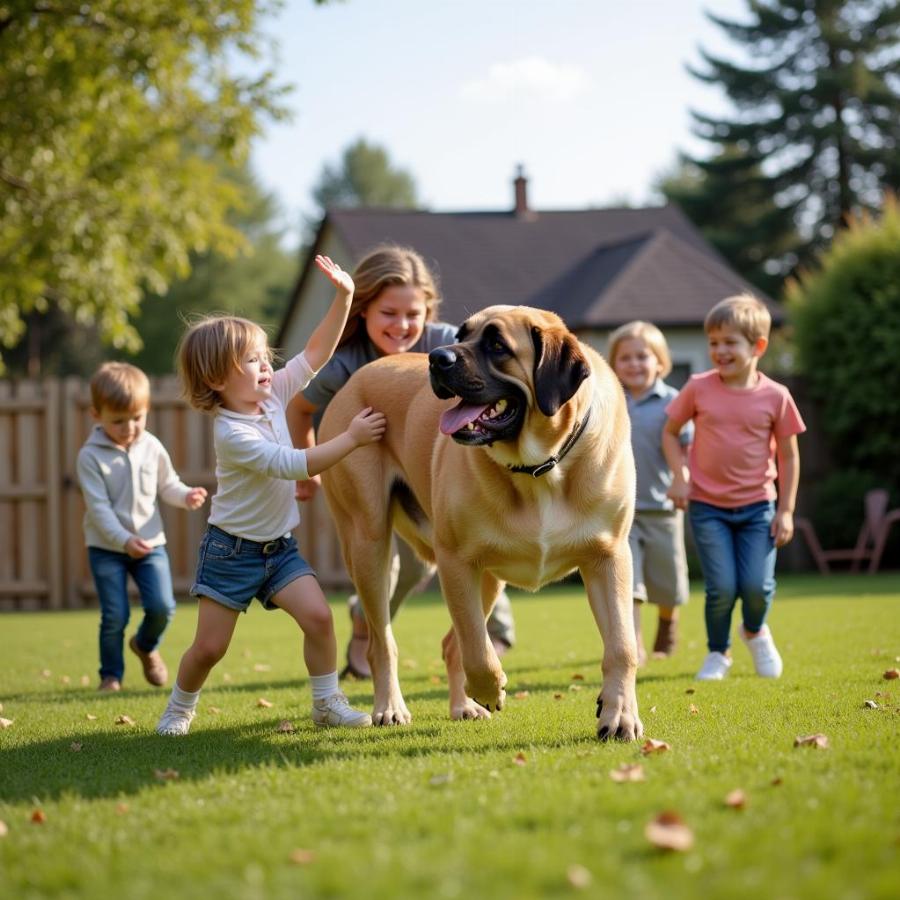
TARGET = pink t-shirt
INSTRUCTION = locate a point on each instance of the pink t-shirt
(732, 459)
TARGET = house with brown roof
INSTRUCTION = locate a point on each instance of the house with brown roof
(596, 268)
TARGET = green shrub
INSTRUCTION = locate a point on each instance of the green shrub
(847, 327)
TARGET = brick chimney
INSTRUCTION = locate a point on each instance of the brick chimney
(520, 183)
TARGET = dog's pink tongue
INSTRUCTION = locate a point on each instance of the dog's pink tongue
(460, 416)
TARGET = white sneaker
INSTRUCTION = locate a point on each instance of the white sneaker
(175, 720)
(766, 658)
(715, 667)
(336, 710)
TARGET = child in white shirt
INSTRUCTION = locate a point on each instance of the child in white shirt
(248, 550)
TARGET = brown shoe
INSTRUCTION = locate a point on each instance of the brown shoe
(110, 683)
(666, 637)
(155, 670)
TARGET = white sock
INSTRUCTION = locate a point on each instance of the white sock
(324, 685)
(185, 699)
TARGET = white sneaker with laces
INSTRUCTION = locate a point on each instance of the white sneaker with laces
(766, 658)
(715, 667)
(175, 720)
(336, 710)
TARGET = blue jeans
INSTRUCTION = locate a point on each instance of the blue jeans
(737, 553)
(153, 578)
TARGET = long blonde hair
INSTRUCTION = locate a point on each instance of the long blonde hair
(382, 267)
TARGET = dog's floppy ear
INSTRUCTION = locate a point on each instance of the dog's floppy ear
(559, 368)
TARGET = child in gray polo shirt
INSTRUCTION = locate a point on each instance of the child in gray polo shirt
(639, 355)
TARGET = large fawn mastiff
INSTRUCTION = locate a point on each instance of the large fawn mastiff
(526, 477)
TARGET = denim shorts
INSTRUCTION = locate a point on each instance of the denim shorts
(233, 570)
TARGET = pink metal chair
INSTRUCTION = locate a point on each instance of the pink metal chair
(870, 544)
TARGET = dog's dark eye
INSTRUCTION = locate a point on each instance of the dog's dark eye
(497, 347)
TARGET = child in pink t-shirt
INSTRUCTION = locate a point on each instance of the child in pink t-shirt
(743, 422)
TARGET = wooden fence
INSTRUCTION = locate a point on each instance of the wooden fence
(43, 561)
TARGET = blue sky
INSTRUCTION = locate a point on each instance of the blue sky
(591, 96)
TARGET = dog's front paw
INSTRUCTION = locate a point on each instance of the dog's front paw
(617, 718)
(486, 688)
(393, 712)
(468, 710)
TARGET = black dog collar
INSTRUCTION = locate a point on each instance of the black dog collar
(549, 464)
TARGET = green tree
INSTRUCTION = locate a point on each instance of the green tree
(817, 113)
(846, 316)
(365, 177)
(732, 206)
(255, 283)
(114, 117)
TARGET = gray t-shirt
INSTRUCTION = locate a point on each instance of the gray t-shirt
(648, 418)
(355, 354)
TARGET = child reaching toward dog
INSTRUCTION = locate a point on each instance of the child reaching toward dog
(248, 550)
(639, 355)
(743, 423)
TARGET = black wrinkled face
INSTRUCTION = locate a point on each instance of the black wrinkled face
(491, 408)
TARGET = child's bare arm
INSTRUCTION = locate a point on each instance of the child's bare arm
(323, 341)
(366, 428)
(788, 455)
(299, 414)
(674, 454)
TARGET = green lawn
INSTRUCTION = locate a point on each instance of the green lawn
(443, 809)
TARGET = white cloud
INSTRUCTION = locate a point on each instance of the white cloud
(529, 78)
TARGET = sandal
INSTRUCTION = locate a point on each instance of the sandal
(349, 670)
(666, 637)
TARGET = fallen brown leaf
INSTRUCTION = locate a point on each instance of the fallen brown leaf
(85, 680)
(693, 710)
(38, 817)
(65, 679)
(4, 829)
(574, 687)
(124, 720)
(265, 704)
(91, 717)
(166, 774)
(285, 727)
(819, 741)
(519, 759)
(668, 831)
(558, 696)
(302, 857)
(578, 677)
(121, 808)
(75, 746)
(226, 676)
(262, 667)
(579, 877)
(5, 723)
(737, 799)
(777, 781)
(891, 674)
(653, 709)
(215, 710)
(628, 772)
(520, 695)
(691, 691)
(653, 746)
(46, 673)
(435, 679)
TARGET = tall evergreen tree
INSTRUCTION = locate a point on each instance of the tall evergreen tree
(817, 114)
(737, 215)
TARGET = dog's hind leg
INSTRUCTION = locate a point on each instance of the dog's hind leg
(483, 678)
(609, 588)
(368, 561)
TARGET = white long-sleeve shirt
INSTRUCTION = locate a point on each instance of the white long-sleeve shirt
(257, 465)
(120, 489)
